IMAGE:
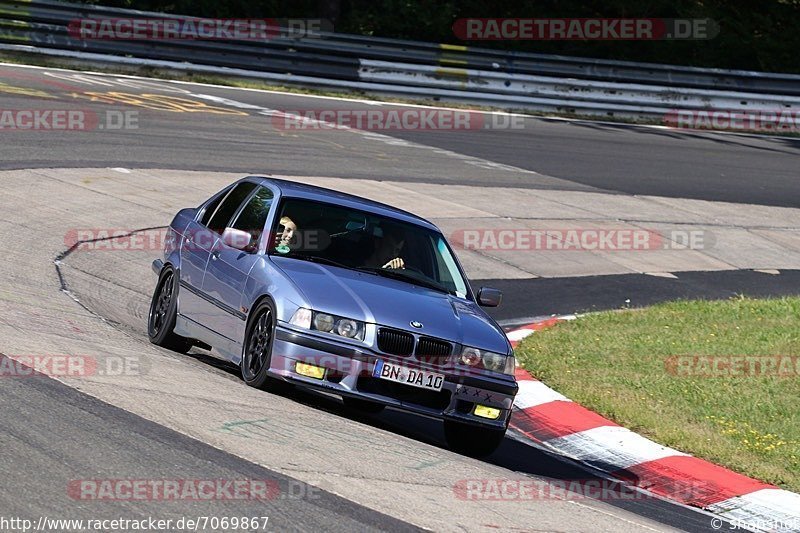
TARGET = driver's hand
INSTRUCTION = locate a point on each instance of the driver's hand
(397, 262)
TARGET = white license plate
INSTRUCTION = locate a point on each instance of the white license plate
(408, 376)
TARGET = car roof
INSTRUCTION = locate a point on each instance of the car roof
(292, 189)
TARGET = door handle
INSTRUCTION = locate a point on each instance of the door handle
(214, 255)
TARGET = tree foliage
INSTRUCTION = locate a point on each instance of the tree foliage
(755, 34)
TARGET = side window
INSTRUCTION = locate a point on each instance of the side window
(210, 208)
(219, 220)
(254, 215)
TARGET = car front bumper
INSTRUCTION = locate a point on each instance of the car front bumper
(348, 372)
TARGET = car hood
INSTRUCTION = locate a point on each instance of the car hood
(388, 302)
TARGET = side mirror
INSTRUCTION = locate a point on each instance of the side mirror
(489, 297)
(236, 238)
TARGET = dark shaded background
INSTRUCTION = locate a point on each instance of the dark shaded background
(755, 34)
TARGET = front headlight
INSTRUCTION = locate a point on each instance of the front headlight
(337, 325)
(470, 356)
(347, 328)
(496, 362)
(323, 322)
(301, 318)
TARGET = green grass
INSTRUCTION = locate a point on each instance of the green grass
(614, 363)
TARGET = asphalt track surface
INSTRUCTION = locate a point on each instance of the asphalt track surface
(609, 157)
(47, 423)
(644, 161)
(78, 429)
(563, 296)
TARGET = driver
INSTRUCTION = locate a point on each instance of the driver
(386, 253)
(286, 230)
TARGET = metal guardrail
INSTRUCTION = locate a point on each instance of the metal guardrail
(415, 69)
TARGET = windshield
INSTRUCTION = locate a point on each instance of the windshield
(382, 246)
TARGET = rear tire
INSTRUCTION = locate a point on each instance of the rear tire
(363, 406)
(470, 440)
(163, 313)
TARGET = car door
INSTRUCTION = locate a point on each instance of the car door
(199, 241)
(229, 267)
(195, 249)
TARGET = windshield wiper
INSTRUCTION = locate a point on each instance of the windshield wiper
(318, 259)
(398, 275)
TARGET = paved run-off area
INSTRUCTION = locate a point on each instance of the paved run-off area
(393, 465)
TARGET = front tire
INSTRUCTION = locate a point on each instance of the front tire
(257, 351)
(163, 313)
(470, 440)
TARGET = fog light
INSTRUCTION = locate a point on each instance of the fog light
(309, 371)
(486, 412)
